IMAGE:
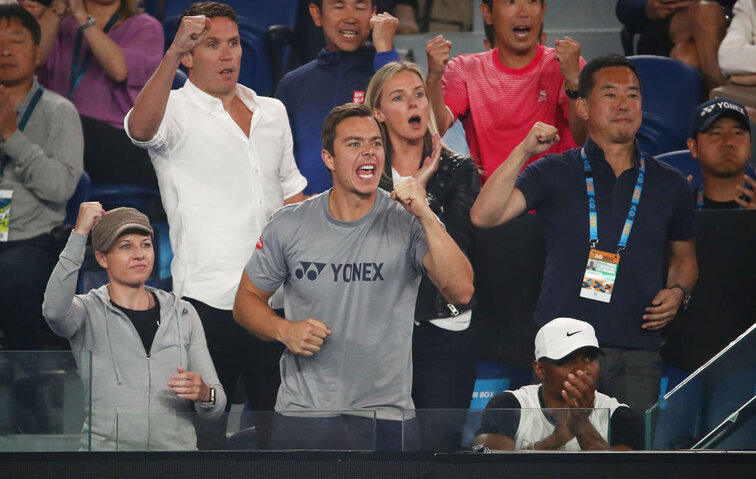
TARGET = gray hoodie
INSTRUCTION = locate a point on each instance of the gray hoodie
(126, 382)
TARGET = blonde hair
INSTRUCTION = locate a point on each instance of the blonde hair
(373, 98)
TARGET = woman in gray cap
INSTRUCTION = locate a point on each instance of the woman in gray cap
(149, 355)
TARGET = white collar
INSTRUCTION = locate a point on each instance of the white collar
(215, 105)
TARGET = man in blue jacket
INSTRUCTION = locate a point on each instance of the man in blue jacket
(338, 75)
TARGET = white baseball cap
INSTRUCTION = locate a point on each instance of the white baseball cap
(560, 337)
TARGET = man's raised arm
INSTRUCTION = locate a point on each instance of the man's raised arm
(147, 115)
(499, 201)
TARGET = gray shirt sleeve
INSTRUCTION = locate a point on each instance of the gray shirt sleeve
(267, 267)
(63, 312)
(52, 168)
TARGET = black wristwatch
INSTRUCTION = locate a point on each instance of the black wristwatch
(211, 402)
(572, 94)
(89, 23)
(686, 296)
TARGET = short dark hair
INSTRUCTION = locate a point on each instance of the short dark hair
(336, 116)
(319, 3)
(490, 33)
(15, 11)
(489, 3)
(587, 82)
(210, 10)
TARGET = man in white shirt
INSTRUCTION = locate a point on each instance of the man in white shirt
(224, 162)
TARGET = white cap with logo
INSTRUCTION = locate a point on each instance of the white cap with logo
(561, 336)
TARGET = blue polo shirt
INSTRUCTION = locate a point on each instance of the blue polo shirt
(555, 187)
(312, 90)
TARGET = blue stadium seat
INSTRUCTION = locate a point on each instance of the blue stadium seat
(671, 91)
(179, 79)
(115, 195)
(684, 161)
(81, 194)
(152, 7)
(491, 379)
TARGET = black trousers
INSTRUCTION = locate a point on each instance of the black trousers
(237, 353)
(110, 157)
(443, 371)
(25, 267)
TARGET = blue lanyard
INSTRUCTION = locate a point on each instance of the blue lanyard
(24, 120)
(700, 197)
(593, 214)
(79, 68)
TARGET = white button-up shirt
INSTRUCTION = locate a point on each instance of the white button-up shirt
(219, 186)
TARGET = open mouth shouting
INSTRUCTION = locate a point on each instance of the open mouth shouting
(521, 32)
(415, 121)
(366, 172)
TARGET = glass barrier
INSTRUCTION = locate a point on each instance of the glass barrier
(138, 430)
(455, 430)
(44, 401)
(706, 402)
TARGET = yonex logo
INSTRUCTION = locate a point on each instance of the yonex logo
(342, 272)
(707, 110)
(310, 269)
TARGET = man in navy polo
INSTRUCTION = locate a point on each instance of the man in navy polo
(607, 205)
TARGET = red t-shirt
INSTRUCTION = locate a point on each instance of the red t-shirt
(499, 105)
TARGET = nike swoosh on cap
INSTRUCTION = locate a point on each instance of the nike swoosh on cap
(573, 333)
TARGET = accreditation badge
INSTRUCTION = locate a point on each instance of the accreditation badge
(5, 206)
(600, 274)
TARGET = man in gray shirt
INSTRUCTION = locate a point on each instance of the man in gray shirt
(41, 150)
(351, 260)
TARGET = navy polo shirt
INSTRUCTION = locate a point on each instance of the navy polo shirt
(555, 187)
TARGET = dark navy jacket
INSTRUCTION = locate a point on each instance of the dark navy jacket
(312, 90)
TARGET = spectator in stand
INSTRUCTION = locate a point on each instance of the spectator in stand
(40, 165)
(553, 415)
(720, 139)
(224, 159)
(148, 348)
(498, 94)
(99, 54)
(348, 331)
(339, 74)
(442, 359)
(737, 56)
(635, 291)
(686, 30)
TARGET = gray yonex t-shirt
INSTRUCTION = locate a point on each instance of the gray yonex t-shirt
(360, 278)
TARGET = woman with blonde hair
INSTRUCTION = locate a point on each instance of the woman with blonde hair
(444, 372)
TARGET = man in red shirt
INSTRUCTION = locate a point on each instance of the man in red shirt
(498, 94)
